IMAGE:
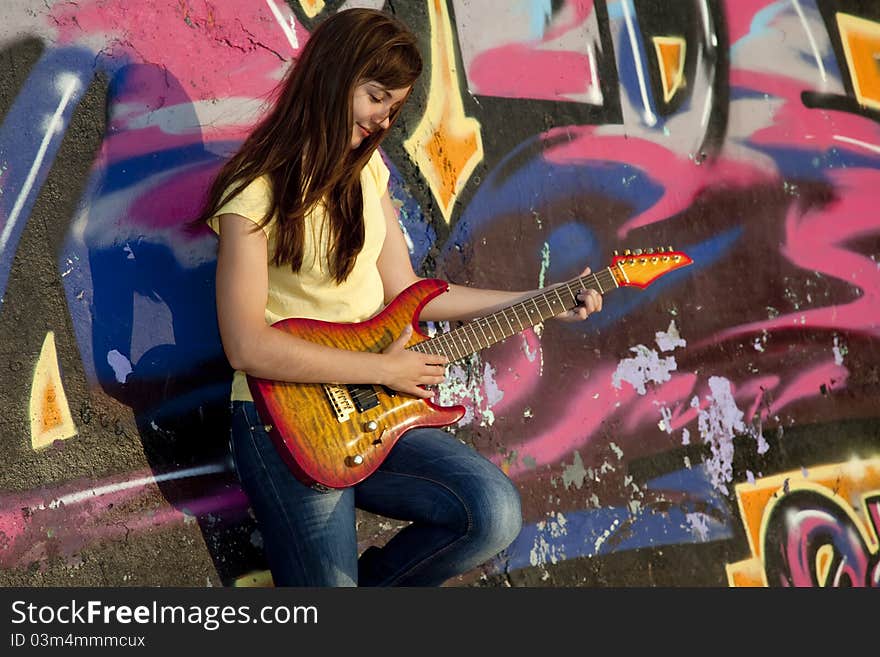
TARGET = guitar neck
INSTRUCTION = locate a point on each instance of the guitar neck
(524, 314)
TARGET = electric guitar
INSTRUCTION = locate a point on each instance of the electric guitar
(334, 436)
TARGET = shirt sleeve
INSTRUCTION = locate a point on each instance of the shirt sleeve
(379, 171)
(251, 203)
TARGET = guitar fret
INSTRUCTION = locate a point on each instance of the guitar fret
(535, 304)
(475, 326)
(501, 329)
(489, 326)
(562, 303)
(504, 313)
(449, 346)
(457, 346)
(467, 336)
(479, 325)
(516, 316)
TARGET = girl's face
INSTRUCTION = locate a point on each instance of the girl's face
(371, 107)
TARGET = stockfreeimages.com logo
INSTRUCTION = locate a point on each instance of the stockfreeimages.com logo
(210, 617)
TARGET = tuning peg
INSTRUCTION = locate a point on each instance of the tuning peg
(671, 249)
(649, 251)
(616, 253)
(637, 252)
(627, 252)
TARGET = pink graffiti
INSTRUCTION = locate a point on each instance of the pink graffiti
(813, 242)
(594, 405)
(739, 16)
(809, 384)
(681, 178)
(221, 49)
(519, 373)
(173, 201)
(758, 388)
(230, 52)
(61, 521)
(815, 130)
(520, 71)
(537, 70)
(683, 413)
(644, 410)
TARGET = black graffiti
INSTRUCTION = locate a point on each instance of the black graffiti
(805, 522)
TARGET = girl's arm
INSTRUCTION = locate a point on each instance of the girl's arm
(461, 302)
(253, 346)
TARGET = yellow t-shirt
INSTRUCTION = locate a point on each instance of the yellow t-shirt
(312, 292)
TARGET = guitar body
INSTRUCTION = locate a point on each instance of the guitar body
(335, 435)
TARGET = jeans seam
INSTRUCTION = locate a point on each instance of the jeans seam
(275, 492)
(445, 548)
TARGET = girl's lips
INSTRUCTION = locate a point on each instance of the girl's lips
(364, 131)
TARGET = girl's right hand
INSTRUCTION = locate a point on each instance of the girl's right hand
(407, 371)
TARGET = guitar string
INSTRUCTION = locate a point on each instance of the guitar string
(448, 342)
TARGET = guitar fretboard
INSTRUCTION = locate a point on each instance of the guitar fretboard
(531, 311)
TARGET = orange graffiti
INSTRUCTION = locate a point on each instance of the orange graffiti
(670, 57)
(446, 145)
(861, 44)
(846, 484)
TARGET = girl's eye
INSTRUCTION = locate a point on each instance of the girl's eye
(374, 99)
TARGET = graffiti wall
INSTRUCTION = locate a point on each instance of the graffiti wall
(714, 426)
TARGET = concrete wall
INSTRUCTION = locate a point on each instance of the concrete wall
(719, 427)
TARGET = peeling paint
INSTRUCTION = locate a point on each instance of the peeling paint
(543, 549)
(120, 364)
(699, 524)
(574, 473)
(719, 423)
(646, 367)
(839, 351)
(665, 423)
(605, 536)
(671, 339)
(531, 355)
(545, 264)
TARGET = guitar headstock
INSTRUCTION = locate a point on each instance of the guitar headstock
(641, 267)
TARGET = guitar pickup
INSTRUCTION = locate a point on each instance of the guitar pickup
(364, 397)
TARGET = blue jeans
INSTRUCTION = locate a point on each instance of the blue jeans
(463, 511)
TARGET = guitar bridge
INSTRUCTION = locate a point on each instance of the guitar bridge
(340, 400)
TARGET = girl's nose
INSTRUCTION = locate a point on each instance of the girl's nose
(384, 123)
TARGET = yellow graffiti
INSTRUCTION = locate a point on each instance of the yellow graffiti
(861, 45)
(312, 7)
(845, 483)
(255, 579)
(49, 412)
(670, 58)
(446, 145)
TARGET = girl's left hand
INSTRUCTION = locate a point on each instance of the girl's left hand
(589, 302)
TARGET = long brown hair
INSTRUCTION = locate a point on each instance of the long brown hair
(303, 144)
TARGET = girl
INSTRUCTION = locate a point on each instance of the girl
(307, 229)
